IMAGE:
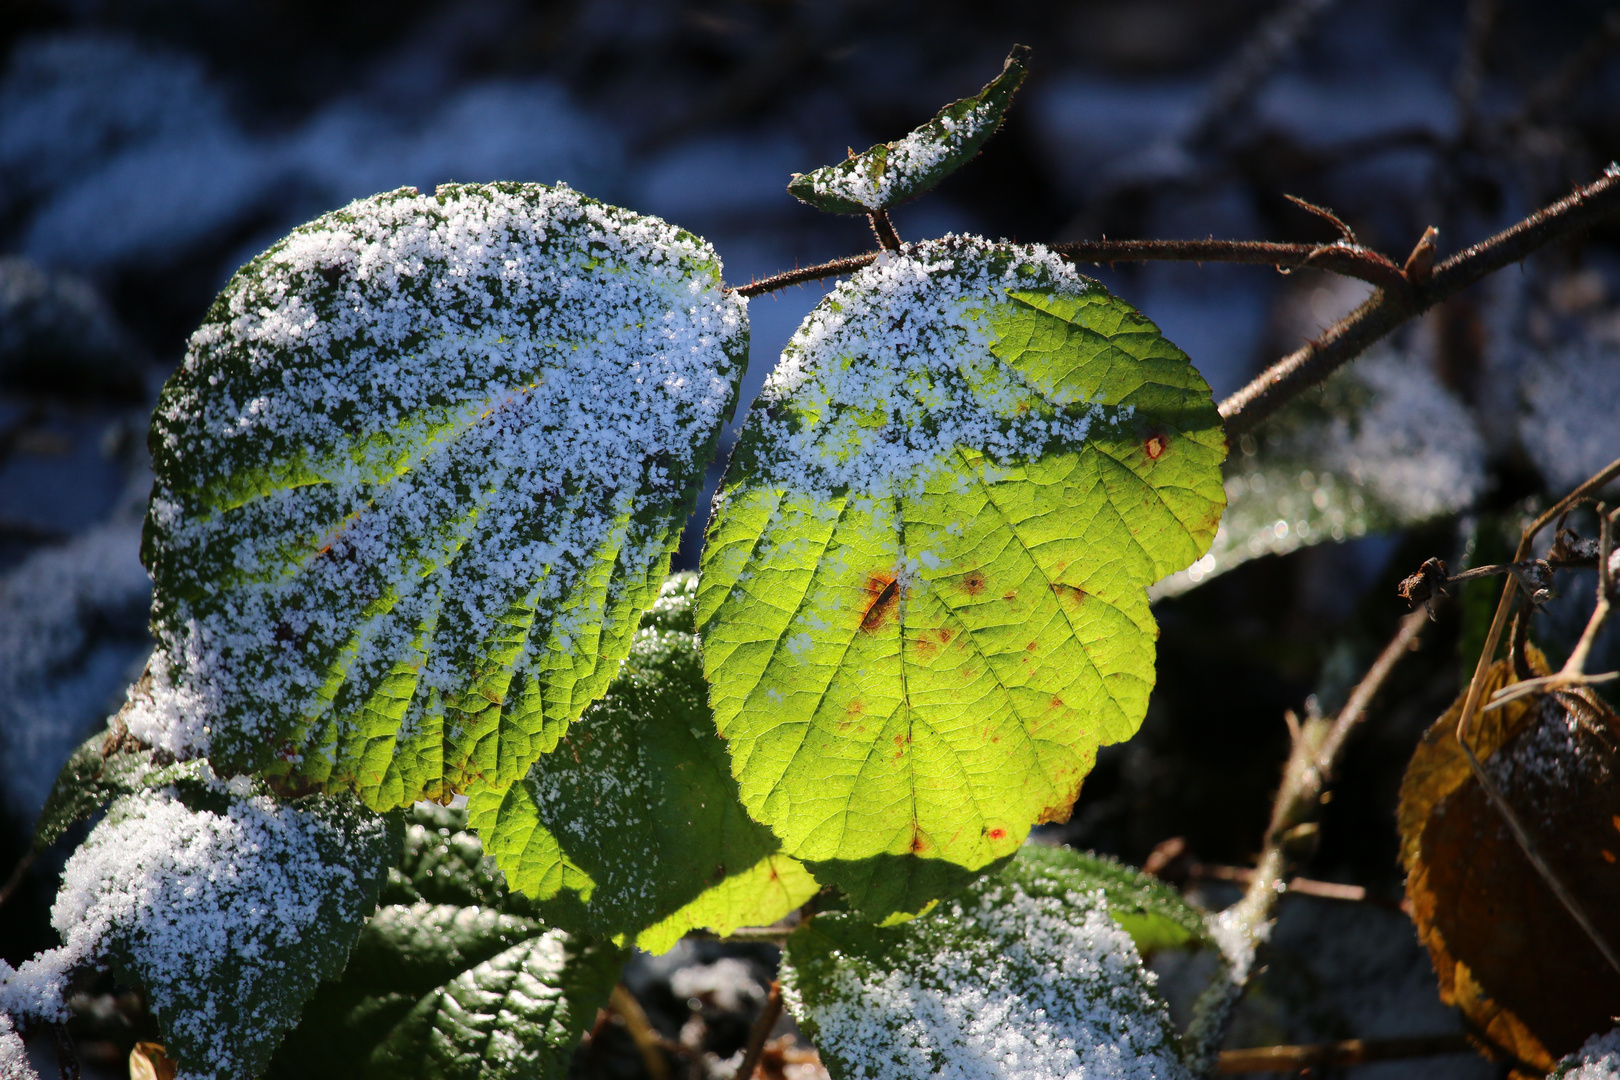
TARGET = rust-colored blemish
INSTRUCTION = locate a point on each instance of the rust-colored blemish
(1056, 703)
(944, 634)
(885, 593)
(1072, 593)
(856, 707)
(918, 844)
(973, 582)
(1010, 596)
(924, 647)
(774, 875)
(1155, 445)
(1032, 646)
(1060, 810)
(997, 834)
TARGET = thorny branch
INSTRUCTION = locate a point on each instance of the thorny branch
(768, 1016)
(1476, 688)
(1341, 257)
(1317, 747)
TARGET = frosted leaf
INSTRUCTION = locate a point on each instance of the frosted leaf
(1598, 1059)
(633, 829)
(14, 1064)
(891, 173)
(420, 472)
(1018, 978)
(228, 907)
(923, 600)
(1383, 446)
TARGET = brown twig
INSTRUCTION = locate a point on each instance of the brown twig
(1295, 886)
(1337, 1054)
(808, 273)
(1317, 747)
(883, 229)
(1388, 308)
(768, 1016)
(641, 1032)
(1350, 260)
(18, 872)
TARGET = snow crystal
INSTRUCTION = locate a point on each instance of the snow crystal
(467, 401)
(13, 1054)
(998, 986)
(892, 373)
(197, 902)
(1597, 1059)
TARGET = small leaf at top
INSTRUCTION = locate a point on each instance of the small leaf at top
(633, 829)
(923, 602)
(1021, 975)
(891, 173)
(1509, 956)
(420, 472)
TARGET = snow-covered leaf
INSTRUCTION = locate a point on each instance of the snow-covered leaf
(447, 991)
(227, 906)
(14, 1063)
(105, 766)
(1021, 977)
(924, 593)
(420, 472)
(1383, 445)
(633, 829)
(891, 173)
(1154, 914)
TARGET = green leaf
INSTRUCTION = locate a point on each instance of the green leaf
(443, 863)
(891, 173)
(633, 829)
(423, 467)
(448, 991)
(1382, 446)
(1022, 975)
(228, 907)
(1154, 914)
(923, 603)
(105, 766)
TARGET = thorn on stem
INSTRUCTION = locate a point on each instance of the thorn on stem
(1420, 264)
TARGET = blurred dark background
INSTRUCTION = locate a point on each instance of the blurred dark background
(150, 147)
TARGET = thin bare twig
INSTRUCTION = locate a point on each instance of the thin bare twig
(1342, 257)
(1471, 709)
(647, 1041)
(808, 273)
(18, 872)
(768, 1016)
(1239, 930)
(1387, 309)
(1337, 1054)
(883, 229)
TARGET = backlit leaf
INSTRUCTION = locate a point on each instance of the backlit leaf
(923, 602)
(891, 173)
(1022, 975)
(420, 472)
(633, 829)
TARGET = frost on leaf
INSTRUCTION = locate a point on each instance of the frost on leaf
(1509, 956)
(891, 173)
(1021, 977)
(923, 603)
(1154, 914)
(105, 766)
(421, 470)
(453, 977)
(14, 1064)
(1383, 446)
(633, 828)
(1597, 1059)
(226, 906)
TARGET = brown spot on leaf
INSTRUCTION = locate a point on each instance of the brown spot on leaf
(997, 834)
(1072, 593)
(918, 844)
(856, 707)
(885, 592)
(1056, 702)
(1009, 596)
(944, 635)
(1155, 445)
(973, 582)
